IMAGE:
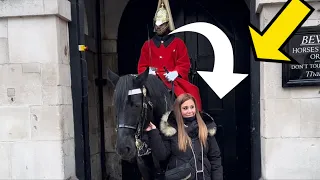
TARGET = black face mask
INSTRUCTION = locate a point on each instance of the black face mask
(162, 30)
(192, 126)
(189, 119)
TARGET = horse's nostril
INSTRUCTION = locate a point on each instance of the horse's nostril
(127, 149)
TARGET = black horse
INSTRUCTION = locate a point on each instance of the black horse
(138, 99)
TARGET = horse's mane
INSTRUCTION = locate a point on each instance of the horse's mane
(159, 93)
(156, 90)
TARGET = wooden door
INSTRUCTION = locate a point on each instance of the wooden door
(224, 111)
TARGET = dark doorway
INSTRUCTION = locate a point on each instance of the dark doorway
(232, 113)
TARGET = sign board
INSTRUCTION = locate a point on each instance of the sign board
(303, 46)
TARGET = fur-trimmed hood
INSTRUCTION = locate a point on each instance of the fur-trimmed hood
(168, 125)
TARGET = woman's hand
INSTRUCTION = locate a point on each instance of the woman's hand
(151, 127)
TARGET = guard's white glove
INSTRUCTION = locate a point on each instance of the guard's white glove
(171, 76)
(151, 71)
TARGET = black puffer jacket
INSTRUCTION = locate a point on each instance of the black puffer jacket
(164, 144)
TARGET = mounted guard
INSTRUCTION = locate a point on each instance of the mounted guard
(167, 55)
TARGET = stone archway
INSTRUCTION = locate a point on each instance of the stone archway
(231, 113)
(110, 13)
(139, 20)
(100, 108)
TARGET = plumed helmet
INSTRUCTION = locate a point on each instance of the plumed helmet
(163, 14)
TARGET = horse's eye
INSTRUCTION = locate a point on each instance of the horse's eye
(134, 105)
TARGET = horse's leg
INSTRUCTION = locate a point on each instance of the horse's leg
(145, 166)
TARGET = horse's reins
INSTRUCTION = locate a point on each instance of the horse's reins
(142, 147)
(146, 104)
(172, 83)
(143, 116)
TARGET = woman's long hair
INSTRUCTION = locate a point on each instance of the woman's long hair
(183, 138)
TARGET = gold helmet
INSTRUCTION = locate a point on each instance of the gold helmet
(163, 14)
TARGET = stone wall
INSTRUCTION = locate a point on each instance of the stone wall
(93, 96)
(36, 132)
(111, 13)
(289, 117)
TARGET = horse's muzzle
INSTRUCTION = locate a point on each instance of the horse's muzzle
(125, 146)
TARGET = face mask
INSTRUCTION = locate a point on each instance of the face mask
(190, 119)
(161, 30)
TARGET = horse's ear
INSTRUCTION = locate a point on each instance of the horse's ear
(143, 77)
(112, 77)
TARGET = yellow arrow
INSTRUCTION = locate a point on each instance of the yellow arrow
(268, 45)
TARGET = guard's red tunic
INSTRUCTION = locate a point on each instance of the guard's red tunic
(169, 52)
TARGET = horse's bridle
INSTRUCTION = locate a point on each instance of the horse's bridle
(146, 105)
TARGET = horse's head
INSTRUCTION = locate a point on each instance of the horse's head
(133, 110)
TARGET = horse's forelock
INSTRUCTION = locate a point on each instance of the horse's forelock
(122, 88)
